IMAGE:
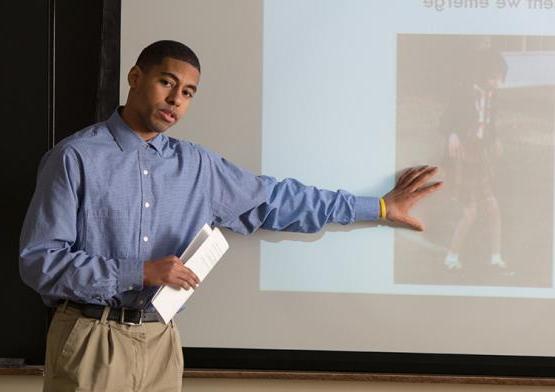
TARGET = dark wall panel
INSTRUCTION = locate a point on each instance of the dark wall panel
(87, 36)
(53, 84)
(25, 123)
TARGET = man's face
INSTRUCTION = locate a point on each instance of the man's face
(159, 97)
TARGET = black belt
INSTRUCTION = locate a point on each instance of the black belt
(121, 315)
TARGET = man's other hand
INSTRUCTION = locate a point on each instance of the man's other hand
(411, 186)
(169, 270)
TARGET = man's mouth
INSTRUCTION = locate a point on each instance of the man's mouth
(167, 115)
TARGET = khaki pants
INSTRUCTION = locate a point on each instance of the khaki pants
(84, 354)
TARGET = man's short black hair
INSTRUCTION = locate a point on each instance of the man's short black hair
(156, 52)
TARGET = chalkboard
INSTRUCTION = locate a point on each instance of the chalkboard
(62, 61)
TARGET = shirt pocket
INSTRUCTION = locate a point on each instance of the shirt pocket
(107, 233)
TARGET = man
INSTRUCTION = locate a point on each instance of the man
(473, 147)
(115, 203)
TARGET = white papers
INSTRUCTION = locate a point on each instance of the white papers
(202, 254)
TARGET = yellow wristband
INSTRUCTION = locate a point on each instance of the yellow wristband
(383, 208)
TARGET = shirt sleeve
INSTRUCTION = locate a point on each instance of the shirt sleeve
(244, 202)
(50, 261)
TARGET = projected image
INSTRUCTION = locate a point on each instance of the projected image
(482, 108)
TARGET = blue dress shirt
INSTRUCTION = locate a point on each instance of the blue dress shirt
(106, 201)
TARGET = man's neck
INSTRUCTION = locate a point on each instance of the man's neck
(133, 123)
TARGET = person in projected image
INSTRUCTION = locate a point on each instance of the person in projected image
(117, 201)
(473, 145)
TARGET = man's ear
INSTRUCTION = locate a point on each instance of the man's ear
(134, 76)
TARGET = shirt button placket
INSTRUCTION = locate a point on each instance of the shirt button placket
(145, 197)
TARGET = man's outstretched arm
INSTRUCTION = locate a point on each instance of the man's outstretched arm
(244, 202)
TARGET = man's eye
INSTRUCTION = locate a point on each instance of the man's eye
(188, 94)
(166, 83)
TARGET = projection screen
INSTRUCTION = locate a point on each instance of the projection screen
(344, 95)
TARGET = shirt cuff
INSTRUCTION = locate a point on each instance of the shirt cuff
(130, 275)
(367, 208)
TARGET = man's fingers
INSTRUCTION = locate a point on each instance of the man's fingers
(186, 273)
(181, 276)
(178, 283)
(414, 172)
(405, 174)
(185, 283)
(425, 190)
(192, 275)
(422, 177)
(413, 176)
(189, 278)
(409, 174)
(171, 271)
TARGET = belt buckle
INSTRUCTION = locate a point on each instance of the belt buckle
(122, 318)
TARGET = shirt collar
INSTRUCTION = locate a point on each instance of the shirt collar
(127, 139)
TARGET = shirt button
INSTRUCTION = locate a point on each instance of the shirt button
(145, 172)
(141, 302)
(147, 204)
(130, 287)
(145, 238)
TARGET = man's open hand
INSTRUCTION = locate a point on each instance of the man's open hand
(411, 186)
(169, 270)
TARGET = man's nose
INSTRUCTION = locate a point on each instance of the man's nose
(174, 97)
